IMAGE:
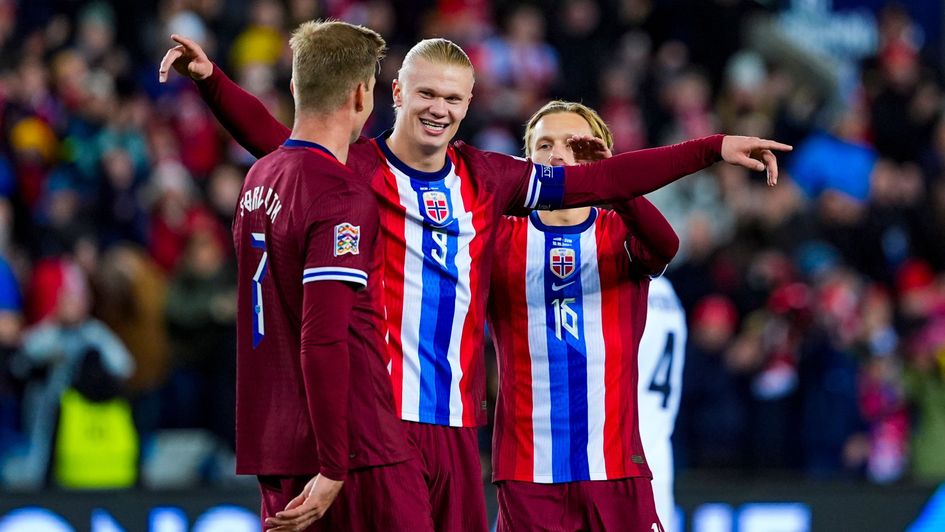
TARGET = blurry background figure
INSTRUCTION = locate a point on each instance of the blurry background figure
(51, 354)
(710, 428)
(96, 443)
(200, 310)
(131, 292)
(11, 326)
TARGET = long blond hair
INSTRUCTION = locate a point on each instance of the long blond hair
(598, 127)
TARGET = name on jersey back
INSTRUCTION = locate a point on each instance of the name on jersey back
(254, 199)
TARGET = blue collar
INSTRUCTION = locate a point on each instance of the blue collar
(296, 143)
(413, 173)
(563, 229)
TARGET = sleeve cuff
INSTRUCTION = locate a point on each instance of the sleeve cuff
(348, 275)
(213, 78)
(714, 143)
(545, 187)
(338, 475)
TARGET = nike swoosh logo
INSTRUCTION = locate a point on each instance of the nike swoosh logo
(556, 287)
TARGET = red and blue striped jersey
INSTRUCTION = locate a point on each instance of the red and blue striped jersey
(567, 310)
(438, 242)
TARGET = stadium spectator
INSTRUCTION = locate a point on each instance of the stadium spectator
(51, 352)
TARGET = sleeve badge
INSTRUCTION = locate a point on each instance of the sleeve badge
(347, 238)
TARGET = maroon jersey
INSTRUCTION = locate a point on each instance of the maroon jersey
(303, 217)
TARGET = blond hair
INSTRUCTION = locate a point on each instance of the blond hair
(438, 51)
(329, 58)
(598, 127)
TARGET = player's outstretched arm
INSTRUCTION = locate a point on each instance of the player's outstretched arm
(651, 240)
(240, 113)
(635, 173)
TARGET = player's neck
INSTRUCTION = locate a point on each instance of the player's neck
(564, 217)
(414, 156)
(331, 131)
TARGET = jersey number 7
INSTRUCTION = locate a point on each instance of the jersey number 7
(259, 325)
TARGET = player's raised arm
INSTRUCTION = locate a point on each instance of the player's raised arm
(651, 241)
(240, 113)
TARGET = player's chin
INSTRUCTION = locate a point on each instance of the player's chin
(433, 142)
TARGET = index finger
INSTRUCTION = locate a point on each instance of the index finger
(764, 144)
(189, 44)
(294, 513)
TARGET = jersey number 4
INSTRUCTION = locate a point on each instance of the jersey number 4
(659, 382)
(259, 325)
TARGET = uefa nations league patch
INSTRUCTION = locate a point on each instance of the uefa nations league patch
(347, 237)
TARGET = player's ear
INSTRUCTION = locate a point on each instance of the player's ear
(292, 87)
(396, 89)
(360, 94)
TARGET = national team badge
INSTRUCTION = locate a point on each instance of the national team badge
(562, 261)
(347, 237)
(435, 206)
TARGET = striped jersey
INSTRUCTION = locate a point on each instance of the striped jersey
(566, 312)
(438, 241)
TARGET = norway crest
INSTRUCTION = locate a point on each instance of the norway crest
(561, 261)
(347, 237)
(435, 206)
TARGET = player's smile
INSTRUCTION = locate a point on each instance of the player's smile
(433, 128)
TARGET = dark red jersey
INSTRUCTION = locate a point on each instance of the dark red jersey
(313, 393)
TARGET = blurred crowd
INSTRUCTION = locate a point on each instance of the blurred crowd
(816, 308)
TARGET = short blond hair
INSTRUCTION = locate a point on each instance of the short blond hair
(329, 58)
(598, 127)
(438, 51)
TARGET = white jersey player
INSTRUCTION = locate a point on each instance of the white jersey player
(661, 358)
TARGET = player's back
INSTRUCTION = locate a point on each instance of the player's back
(289, 196)
(661, 358)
